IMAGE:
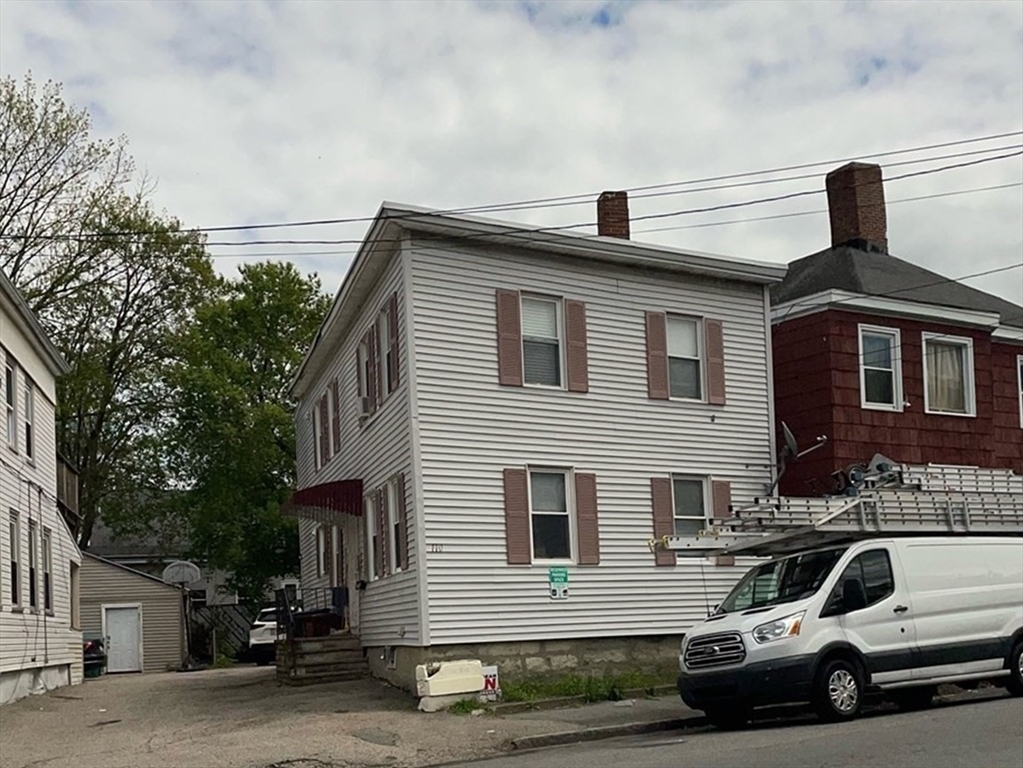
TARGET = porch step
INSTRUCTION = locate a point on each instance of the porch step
(305, 645)
(306, 658)
(334, 677)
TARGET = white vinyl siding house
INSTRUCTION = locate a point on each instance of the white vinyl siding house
(39, 648)
(557, 406)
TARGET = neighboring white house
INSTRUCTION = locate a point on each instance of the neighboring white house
(491, 409)
(40, 636)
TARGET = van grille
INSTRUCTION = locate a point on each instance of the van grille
(715, 651)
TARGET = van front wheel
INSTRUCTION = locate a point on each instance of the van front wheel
(838, 691)
(1015, 683)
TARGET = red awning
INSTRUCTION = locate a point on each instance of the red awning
(325, 503)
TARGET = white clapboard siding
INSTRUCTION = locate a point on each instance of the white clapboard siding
(163, 626)
(471, 428)
(387, 612)
(33, 639)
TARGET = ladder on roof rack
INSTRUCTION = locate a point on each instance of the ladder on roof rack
(910, 501)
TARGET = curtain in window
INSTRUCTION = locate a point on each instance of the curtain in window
(946, 382)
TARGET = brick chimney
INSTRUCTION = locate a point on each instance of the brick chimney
(856, 206)
(613, 214)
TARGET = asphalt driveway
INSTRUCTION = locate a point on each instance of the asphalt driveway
(240, 718)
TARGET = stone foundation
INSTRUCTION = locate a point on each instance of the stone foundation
(654, 655)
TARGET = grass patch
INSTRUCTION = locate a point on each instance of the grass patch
(465, 706)
(223, 662)
(606, 688)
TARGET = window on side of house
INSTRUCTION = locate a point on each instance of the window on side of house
(365, 369)
(331, 406)
(33, 543)
(321, 550)
(542, 357)
(549, 517)
(880, 368)
(372, 537)
(393, 525)
(948, 375)
(47, 570)
(317, 436)
(29, 420)
(685, 358)
(1019, 366)
(15, 581)
(384, 336)
(689, 504)
(11, 403)
(76, 596)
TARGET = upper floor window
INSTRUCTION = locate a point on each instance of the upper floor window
(1019, 365)
(685, 358)
(29, 419)
(386, 352)
(11, 404)
(689, 505)
(948, 375)
(376, 359)
(541, 341)
(880, 368)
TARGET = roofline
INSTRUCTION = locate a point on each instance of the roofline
(882, 305)
(30, 323)
(131, 570)
(398, 216)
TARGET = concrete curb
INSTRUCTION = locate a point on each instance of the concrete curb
(604, 732)
(562, 702)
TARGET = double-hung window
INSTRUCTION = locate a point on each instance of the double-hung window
(948, 375)
(395, 543)
(15, 531)
(386, 353)
(373, 553)
(29, 419)
(685, 358)
(33, 543)
(11, 404)
(880, 368)
(549, 517)
(321, 550)
(542, 341)
(689, 504)
(47, 570)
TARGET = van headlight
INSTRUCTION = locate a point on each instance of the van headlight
(775, 630)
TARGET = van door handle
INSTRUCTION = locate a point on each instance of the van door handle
(901, 608)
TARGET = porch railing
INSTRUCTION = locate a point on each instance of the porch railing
(319, 612)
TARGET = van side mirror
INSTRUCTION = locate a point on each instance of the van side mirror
(854, 595)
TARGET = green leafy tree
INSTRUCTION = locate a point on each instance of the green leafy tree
(231, 443)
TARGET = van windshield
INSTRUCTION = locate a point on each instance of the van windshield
(781, 581)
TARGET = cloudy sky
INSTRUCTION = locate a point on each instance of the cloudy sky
(252, 112)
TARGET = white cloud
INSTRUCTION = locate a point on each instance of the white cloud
(252, 112)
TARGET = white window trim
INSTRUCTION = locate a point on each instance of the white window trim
(384, 345)
(369, 514)
(970, 383)
(707, 501)
(29, 417)
(1019, 375)
(897, 395)
(331, 406)
(14, 526)
(569, 511)
(11, 404)
(33, 564)
(701, 354)
(46, 542)
(559, 305)
(392, 523)
(321, 550)
(317, 451)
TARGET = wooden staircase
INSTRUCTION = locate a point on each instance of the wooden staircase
(311, 660)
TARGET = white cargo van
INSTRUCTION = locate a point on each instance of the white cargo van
(825, 626)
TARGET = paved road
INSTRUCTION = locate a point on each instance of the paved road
(974, 733)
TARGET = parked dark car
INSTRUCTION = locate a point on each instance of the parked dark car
(94, 654)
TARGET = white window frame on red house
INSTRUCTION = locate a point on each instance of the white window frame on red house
(969, 376)
(895, 351)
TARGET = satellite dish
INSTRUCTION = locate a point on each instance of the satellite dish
(790, 440)
(182, 572)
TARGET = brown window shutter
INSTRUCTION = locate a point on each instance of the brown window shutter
(722, 493)
(374, 369)
(575, 331)
(664, 516)
(715, 361)
(516, 516)
(402, 514)
(657, 355)
(324, 431)
(509, 338)
(392, 369)
(384, 567)
(586, 519)
(336, 416)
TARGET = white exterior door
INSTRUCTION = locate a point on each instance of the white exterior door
(123, 631)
